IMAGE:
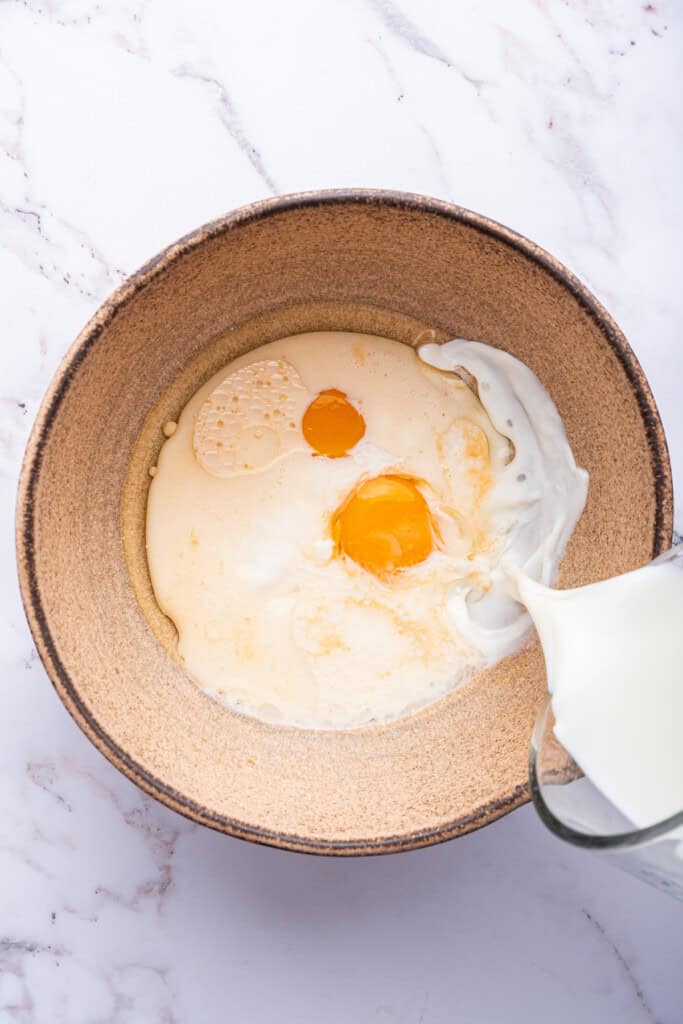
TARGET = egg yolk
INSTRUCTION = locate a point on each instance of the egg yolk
(331, 425)
(384, 525)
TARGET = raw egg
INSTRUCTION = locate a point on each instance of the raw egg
(332, 425)
(384, 525)
(330, 511)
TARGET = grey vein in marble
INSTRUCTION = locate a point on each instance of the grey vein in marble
(623, 962)
(406, 30)
(232, 122)
(402, 95)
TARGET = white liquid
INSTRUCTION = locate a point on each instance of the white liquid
(538, 497)
(614, 659)
(272, 620)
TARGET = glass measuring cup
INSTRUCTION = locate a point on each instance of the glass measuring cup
(573, 809)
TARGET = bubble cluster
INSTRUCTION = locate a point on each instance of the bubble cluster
(251, 419)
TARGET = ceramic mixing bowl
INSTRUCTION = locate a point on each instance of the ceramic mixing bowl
(378, 262)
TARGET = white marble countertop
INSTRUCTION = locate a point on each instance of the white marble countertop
(124, 124)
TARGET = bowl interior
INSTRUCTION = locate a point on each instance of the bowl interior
(376, 263)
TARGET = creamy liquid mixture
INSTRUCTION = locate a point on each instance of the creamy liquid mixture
(327, 522)
(613, 657)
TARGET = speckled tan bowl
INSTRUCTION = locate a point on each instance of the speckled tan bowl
(379, 262)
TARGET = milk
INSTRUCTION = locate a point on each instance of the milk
(614, 659)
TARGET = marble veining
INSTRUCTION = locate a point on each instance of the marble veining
(125, 124)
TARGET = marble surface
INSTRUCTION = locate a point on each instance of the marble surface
(122, 125)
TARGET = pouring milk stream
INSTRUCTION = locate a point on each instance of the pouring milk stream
(613, 660)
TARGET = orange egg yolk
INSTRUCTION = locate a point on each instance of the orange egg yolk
(384, 525)
(331, 425)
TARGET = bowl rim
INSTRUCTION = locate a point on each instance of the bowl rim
(59, 386)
